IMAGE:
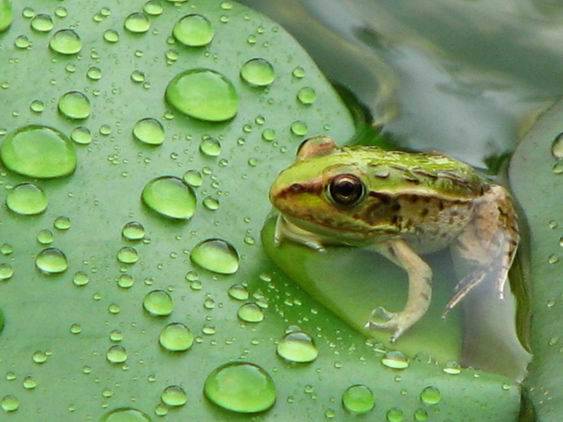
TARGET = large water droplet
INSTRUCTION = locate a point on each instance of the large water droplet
(158, 303)
(75, 105)
(26, 199)
(193, 30)
(216, 255)
(66, 41)
(126, 415)
(176, 337)
(170, 197)
(358, 399)
(258, 72)
(174, 396)
(6, 14)
(250, 312)
(149, 131)
(297, 346)
(241, 387)
(42, 23)
(38, 151)
(51, 261)
(430, 395)
(203, 94)
(137, 23)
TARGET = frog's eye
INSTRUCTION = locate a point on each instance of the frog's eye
(346, 190)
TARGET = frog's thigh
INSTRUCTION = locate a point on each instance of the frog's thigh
(286, 230)
(420, 287)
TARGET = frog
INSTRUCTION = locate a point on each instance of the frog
(402, 205)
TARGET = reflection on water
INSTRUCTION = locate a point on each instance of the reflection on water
(464, 77)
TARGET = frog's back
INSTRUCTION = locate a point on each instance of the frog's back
(424, 174)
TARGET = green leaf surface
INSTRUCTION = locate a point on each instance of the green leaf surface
(58, 334)
(535, 175)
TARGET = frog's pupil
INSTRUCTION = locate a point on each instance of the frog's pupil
(346, 190)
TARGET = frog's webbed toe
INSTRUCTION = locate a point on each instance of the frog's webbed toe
(381, 319)
(285, 230)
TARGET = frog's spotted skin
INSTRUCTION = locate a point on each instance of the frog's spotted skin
(401, 204)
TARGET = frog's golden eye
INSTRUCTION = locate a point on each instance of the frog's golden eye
(346, 190)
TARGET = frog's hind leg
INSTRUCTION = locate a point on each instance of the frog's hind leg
(420, 289)
(488, 243)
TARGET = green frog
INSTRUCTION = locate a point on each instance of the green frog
(402, 205)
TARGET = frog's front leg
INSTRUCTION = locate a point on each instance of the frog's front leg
(420, 289)
(286, 230)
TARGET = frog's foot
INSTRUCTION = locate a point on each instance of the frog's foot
(382, 319)
(463, 288)
(286, 230)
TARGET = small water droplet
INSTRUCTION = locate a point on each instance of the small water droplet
(29, 383)
(176, 337)
(149, 131)
(307, 95)
(250, 312)
(75, 105)
(299, 128)
(127, 255)
(358, 399)
(258, 72)
(111, 36)
(210, 147)
(45, 237)
(269, 135)
(153, 8)
(94, 73)
(10, 403)
(66, 41)
(158, 303)
(241, 387)
(297, 346)
(80, 279)
(174, 396)
(557, 147)
(430, 395)
(194, 30)
(42, 23)
(133, 231)
(51, 261)
(395, 360)
(81, 136)
(211, 203)
(6, 272)
(193, 178)
(298, 72)
(203, 94)
(39, 357)
(170, 197)
(38, 151)
(22, 42)
(216, 255)
(420, 415)
(137, 23)
(116, 354)
(26, 199)
(125, 281)
(62, 223)
(395, 415)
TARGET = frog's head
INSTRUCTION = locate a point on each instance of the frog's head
(324, 190)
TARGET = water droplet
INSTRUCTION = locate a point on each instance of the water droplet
(307, 95)
(153, 8)
(299, 128)
(6, 272)
(6, 14)
(61, 12)
(37, 106)
(126, 415)
(111, 36)
(125, 281)
(238, 292)
(66, 41)
(395, 415)
(174, 396)
(250, 312)
(39, 357)
(298, 72)
(29, 383)
(116, 354)
(10, 403)
(269, 135)
(75, 105)
(51, 261)
(94, 73)
(42, 23)
(133, 231)
(149, 131)
(158, 303)
(45, 237)
(395, 360)
(62, 223)
(203, 94)
(127, 255)
(420, 415)
(38, 151)
(80, 279)
(81, 135)
(211, 203)
(176, 337)
(216, 255)
(137, 23)
(430, 395)
(75, 329)
(22, 42)
(210, 147)
(297, 346)
(241, 387)
(193, 178)
(452, 368)
(26, 199)
(170, 197)
(557, 147)
(358, 399)
(258, 72)
(194, 30)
